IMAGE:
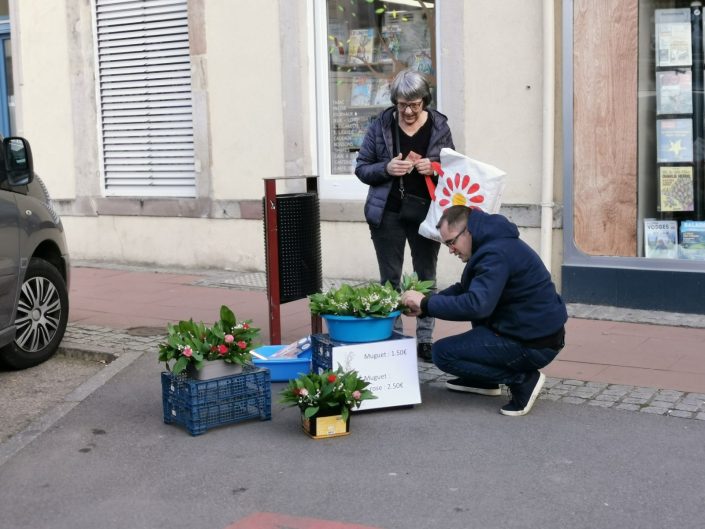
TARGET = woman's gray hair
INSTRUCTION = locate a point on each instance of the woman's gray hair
(410, 85)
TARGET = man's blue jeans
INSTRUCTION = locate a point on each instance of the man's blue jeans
(482, 355)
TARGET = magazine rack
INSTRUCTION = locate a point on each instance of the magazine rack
(286, 232)
(680, 129)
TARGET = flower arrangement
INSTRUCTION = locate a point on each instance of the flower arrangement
(326, 393)
(366, 300)
(195, 343)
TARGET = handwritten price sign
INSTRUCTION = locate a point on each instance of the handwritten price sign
(389, 366)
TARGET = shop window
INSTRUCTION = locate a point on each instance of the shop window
(671, 130)
(367, 42)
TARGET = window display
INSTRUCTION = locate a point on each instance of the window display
(369, 42)
(671, 128)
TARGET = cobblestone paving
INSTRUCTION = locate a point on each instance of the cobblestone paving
(99, 341)
(627, 398)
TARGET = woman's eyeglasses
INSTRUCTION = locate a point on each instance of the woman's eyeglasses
(415, 106)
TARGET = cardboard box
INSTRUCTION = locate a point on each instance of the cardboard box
(389, 365)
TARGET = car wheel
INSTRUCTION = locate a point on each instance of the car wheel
(42, 314)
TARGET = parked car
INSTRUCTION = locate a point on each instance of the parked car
(34, 263)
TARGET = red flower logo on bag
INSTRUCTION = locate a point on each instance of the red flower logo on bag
(460, 191)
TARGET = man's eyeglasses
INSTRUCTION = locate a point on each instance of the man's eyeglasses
(415, 106)
(451, 242)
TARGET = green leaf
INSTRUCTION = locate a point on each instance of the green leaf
(227, 316)
(379, 11)
(310, 412)
(180, 365)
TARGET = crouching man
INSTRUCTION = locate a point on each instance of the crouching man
(506, 292)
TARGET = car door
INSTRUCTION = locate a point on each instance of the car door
(9, 257)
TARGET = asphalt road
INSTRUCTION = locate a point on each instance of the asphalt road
(451, 462)
(30, 393)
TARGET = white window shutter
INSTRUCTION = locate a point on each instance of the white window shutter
(145, 98)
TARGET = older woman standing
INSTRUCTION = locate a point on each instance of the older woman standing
(394, 159)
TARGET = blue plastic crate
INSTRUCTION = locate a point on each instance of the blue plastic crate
(283, 369)
(200, 405)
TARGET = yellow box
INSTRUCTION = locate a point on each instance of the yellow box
(324, 427)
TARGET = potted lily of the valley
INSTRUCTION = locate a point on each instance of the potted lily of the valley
(366, 312)
(209, 351)
(325, 400)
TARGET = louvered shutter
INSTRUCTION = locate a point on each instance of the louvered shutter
(145, 98)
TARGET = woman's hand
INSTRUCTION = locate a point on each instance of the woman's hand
(399, 167)
(424, 167)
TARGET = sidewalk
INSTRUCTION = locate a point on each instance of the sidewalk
(141, 302)
(663, 356)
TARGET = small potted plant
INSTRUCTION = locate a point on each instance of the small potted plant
(325, 400)
(206, 352)
(363, 313)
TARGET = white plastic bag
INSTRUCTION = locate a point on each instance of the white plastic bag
(466, 182)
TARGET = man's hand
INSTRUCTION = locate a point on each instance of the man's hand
(412, 299)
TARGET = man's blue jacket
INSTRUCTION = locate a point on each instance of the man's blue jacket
(504, 286)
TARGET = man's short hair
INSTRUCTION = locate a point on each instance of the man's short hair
(454, 215)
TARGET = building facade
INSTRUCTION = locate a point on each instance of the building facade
(154, 123)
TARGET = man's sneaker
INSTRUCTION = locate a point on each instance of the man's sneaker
(473, 386)
(423, 350)
(524, 395)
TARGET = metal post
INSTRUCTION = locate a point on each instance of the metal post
(698, 131)
(272, 257)
(316, 321)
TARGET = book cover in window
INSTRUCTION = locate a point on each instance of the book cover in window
(675, 186)
(415, 32)
(673, 37)
(390, 43)
(421, 62)
(338, 42)
(660, 239)
(361, 46)
(674, 92)
(674, 138)
(383, 96)
(361, 92)
(692, 245)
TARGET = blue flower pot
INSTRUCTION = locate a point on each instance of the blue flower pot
(354, 329)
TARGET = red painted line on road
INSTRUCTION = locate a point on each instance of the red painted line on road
(270, 520)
